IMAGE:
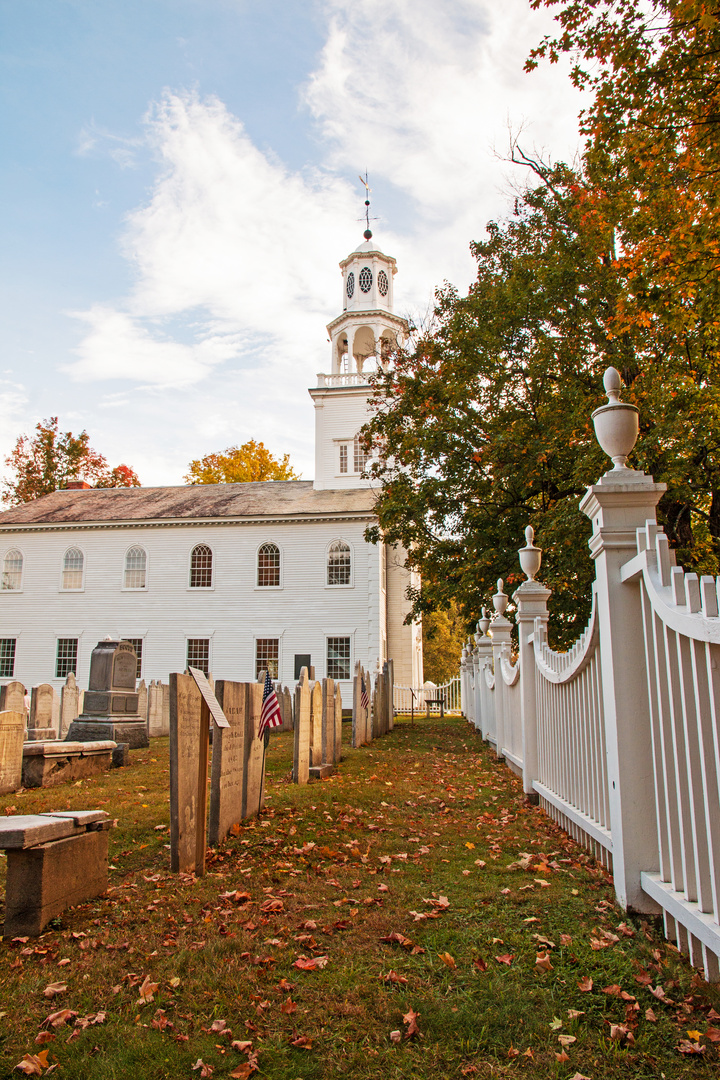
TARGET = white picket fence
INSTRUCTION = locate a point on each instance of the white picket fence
(407, 698)
(619, 737)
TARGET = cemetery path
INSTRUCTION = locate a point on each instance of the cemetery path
(409, 917)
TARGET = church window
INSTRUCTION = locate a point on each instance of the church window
(365, 279)
(198, 654)
(267, 652)
(12, 571)
(201, 567)
(268, 570)
(137, 644)
(338, 658)
(135, 568)
(350, 287)
(383, 284)
(360, 455)
(66, 658)
(339, 565)
(7, 657)
(73, 566)
(343, 458)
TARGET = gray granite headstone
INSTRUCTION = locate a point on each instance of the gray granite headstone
(111, 703)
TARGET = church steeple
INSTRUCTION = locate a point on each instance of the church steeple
(361, 338)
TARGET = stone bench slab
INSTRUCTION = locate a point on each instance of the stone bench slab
(59, 748)
(22, 831)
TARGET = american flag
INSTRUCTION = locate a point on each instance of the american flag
(364, 699)
(270, 716)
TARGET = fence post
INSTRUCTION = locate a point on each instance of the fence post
(483, 657)
(622, 501)
(501, 640)
(531, 599)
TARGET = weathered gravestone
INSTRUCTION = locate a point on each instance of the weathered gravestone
(328, 722)
(389, 670)
(338, 723)
(42, 722)
(110, 704)
(287, 707)
(192, 703)
(361, 713)
(12, 738)
(142, 700)
(254, 753)
(157, 724)
(12, 697)
(301, 754)
(316, 725)
(228, 761)
(69, 702)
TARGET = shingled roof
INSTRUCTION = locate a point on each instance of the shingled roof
(199, 502)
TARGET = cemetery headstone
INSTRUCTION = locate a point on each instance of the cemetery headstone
(301, 755)
(156, 711)
(69, 702)
(287, 708)
(316, 724)
(328, 722)
(42, 713)
(189, 737)
(254, 754)
(338, 723)
(228, 759)
(12, 697)
(142, 700)
(390, 692)
(12, 738)
(110, 705)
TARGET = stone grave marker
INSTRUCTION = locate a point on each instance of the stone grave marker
(110, 705)
(390, 693)
(254, 754)
(42, 713)
(12, 738)
(12, 697)
(189, 738)
(328, 722)
(156, 710)
(316, 725)
(338, 723)
(301, 754)
(142, 700)
(228, 760)
(69, 704)
(287, 707)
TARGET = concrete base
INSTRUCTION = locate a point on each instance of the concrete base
(121, 756)
(43, 881)
(50, 763)
(319, 772)
(133, 732)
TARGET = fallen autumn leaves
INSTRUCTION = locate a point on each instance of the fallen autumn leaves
(437, 927)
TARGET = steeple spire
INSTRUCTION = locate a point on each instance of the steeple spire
(368, 232)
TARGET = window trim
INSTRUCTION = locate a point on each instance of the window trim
(77, 637)
(21, 553)
(351, 583)
(275, 636)
(15, 638)
(201, 636)
(61, 587)
(350, 635)
(137, 588)
(269, 588)
(201, 588)
(137, 637)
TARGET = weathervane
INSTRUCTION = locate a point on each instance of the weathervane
(368, 233)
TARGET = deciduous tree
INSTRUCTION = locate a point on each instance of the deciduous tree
(240, 465)
(46, 461)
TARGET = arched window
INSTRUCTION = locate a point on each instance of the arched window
(339, 563)
(72, 572)
(268, 566)
(201, 567)
(360, 455)
(135, 568)
(12, 570)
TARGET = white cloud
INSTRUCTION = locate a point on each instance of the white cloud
(235, 256)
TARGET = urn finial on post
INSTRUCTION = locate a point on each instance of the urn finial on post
(530, 556)
(617, 423)
(500, 599)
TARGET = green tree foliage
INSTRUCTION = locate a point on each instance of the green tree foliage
(240, 465)
(49, 459)
(485, 425)
(444, 634)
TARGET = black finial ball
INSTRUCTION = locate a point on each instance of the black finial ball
(367, 234)
(367, 202)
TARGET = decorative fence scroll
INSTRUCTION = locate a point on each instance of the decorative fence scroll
(619, 737)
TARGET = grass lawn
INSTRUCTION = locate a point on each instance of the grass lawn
(442, 928)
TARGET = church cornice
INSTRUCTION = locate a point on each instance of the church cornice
(373, 313)
(367, 255)
(187, 523)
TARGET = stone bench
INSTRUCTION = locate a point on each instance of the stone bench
(53, 861)
(54, 762)
(438, 702)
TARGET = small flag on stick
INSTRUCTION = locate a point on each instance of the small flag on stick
(364, 699)
(270, 716)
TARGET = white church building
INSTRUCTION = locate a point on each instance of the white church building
(230, 578)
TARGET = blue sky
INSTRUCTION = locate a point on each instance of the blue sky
(179, 181)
